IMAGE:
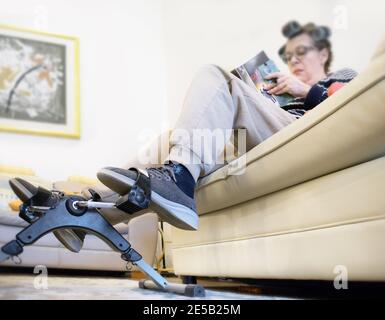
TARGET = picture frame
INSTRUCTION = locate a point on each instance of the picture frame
(39, 83)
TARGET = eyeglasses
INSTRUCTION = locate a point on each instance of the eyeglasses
(299, 53)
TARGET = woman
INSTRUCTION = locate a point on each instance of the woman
(308, 55)
(219, 100)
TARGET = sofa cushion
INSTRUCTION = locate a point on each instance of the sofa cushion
(320, 254)
(343, 131)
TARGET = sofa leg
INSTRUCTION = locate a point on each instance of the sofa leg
(189, 279)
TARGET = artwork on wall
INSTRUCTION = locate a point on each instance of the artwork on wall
(39, 83)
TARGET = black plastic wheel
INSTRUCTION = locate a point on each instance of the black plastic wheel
(75, 210)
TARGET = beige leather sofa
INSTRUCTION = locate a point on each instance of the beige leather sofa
(311, 202)
(141, 232)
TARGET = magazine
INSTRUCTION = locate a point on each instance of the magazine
(254, 71)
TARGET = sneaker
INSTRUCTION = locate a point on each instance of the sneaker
(70, 238)
(170, 198)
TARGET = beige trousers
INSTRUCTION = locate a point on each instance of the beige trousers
(218, 101)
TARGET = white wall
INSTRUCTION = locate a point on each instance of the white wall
(122, 77)
(137, 59)
(228, 32)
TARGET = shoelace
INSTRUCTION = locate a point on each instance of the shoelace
(165, 172)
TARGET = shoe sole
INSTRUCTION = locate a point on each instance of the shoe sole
(174, 213)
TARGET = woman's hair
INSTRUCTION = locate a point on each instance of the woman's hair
(319, 34)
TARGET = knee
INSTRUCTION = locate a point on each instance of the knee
(213, 74)
(211, 69)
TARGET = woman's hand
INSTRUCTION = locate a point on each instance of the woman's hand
(287, 84)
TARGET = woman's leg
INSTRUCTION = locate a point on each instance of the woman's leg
(217, 100)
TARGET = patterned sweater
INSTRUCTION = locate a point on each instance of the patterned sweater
(320, 92)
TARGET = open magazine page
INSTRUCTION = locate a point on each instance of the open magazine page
(254, 71)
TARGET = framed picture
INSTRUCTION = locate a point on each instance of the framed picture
(39, 83)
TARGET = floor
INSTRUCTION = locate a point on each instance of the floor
(16, 286)
(23, 284)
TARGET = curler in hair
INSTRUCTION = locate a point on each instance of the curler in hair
(291, 29)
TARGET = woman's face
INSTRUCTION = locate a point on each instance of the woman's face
(304, 60)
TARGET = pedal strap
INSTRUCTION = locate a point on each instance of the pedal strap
(43, 198)
(139, 197)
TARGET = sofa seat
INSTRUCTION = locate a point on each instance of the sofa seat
(338, 207)
(303, 204)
